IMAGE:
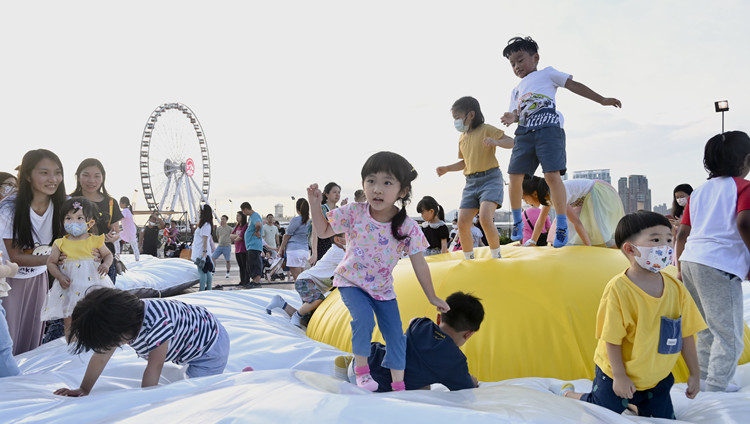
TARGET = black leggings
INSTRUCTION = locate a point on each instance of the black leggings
(242, 264)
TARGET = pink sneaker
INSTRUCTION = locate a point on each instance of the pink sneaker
(366, 382)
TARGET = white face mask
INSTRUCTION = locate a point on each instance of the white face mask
(6, 190)
(460, 127)
(682, 201)
(655, 258)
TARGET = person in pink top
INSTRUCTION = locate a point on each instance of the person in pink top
(240, 252)
(713, 250)
(530, 216)
(378, 234)
(129, 233)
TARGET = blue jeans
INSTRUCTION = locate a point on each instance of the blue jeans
(361, 307)
(8, 365)
(205, 279)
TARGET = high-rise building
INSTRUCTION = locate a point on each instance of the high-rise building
(634, 193)
(662, 209)
(278, 211)
(593, 174)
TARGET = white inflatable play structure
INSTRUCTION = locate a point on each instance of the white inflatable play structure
(153, 277)
(293, 379)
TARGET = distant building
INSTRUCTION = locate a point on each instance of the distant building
(593, 174)
(662, 209)
(278, 211)
(634, 193)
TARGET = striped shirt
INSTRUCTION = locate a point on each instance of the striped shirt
(190, 330)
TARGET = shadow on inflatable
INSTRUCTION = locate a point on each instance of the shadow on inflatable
(540, 309)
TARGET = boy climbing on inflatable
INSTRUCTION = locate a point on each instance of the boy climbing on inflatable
(433, 353)
(646, 318)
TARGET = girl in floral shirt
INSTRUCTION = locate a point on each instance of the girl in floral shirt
(377, 234)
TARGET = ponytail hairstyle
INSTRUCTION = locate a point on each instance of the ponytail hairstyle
(725, 154)
(469, 104)
(429, 203)
(531, 184)
(125, 201)
(22, 229)
(206, 216)
(399, 168)
(676, 208)
(304, 209)
(327, 189)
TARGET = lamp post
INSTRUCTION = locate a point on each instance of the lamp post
(722, 106)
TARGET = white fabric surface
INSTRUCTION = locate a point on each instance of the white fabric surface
(157, 275)
(293, 383)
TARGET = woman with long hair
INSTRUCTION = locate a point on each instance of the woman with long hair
(29, 222)
(294, 243)
(331, 196)
(203, 244)
(90, 179)
(240, 251)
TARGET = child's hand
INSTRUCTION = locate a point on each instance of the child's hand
(102, 269)
(488, 141)
(71, 392)
(314, 195)
(623, 387)
(509, 118)
(441, 305)
(441, 170)
(611, 101)
(693, 386)
(64, 282)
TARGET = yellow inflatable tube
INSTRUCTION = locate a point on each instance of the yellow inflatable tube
(540, 309)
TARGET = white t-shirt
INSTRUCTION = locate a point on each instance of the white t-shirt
(577, 189)
(326, 266)
(534, 98)
(41, 232)
(198, 246)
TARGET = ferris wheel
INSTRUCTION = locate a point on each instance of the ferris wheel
(175, 166)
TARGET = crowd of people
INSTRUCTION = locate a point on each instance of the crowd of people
(646, 318)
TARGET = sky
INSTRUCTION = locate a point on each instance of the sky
(296, 92)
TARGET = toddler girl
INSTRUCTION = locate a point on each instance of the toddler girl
(377, 234)
(434, 227)
(79, 271)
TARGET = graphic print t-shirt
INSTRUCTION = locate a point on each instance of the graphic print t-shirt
(534, 100)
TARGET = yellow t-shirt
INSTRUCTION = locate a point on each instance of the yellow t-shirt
(630, 317)
(475, 154)
(79, 249)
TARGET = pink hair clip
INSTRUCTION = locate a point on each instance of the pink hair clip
(76, 205)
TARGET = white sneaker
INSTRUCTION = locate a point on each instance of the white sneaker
(276, 302)
(227, 276)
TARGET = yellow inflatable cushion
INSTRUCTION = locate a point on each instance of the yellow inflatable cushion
(540, 309)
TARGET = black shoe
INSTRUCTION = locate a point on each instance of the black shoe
(253, 285)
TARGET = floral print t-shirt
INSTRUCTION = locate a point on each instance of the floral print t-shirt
(371, 250)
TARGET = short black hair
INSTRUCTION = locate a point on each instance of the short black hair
(224, 216)
(246, 205)
(724, 155)
(104, 319)
(633, 223)
(466, 313)
(518, 44)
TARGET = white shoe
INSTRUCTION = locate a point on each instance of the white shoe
(276, 302)
(227, 276)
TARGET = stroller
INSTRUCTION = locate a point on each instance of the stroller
(274, 266)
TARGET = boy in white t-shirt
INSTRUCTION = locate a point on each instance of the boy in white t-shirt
(713, 249)
(539, 136)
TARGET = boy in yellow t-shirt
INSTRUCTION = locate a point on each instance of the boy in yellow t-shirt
(645, 319)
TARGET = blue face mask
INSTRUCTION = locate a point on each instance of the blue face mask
(76, 229)
(460, 127)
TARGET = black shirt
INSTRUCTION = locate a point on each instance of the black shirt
(104, 221)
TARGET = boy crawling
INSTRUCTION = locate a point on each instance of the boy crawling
(159, 330)
(433, 353)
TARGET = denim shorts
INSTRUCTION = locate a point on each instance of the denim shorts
(222, 250)
(215, 360)
(544, 145)
(485, 186)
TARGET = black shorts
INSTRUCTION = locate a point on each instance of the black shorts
(254, 263)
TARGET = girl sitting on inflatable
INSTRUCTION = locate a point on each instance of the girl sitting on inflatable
(593, 207)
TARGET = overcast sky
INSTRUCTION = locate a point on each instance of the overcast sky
(294, 92)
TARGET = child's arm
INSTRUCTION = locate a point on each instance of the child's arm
(622, 385)
(682, 234)
(578, 225)
(155, 364)
(583, 91)
(107, 258)
(458, 166)
(320, 223)
(505, 142)
(96, 365)
(422, 270)
(691, 360)
(54, 270)
(443, 245)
